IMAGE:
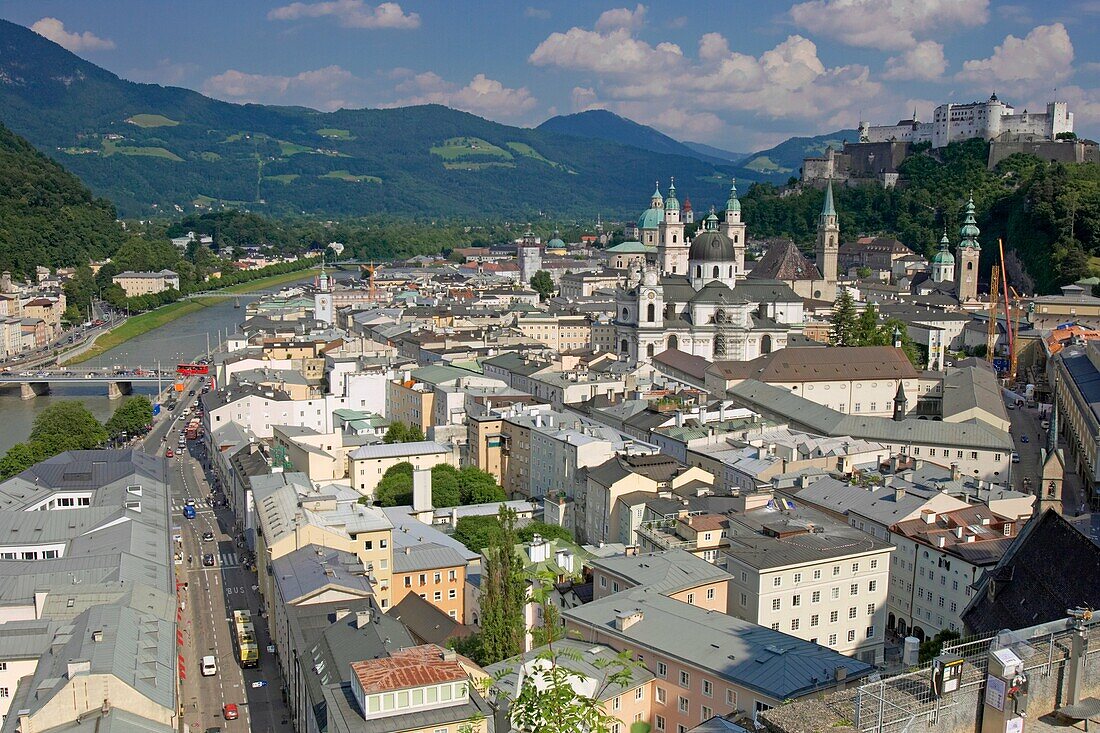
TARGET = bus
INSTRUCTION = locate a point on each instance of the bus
(248, 649)
(191, 370)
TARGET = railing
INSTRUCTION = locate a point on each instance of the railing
(650, 531)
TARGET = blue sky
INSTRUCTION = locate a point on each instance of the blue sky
(734, 73)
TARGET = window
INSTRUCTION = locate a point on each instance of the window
(408, 581)
(854, 589)
(852, 612)
(874, 564)
(368, 545)
(662, 669)
(691, 599)
(660, 722)
(383, 544)
(814, 620)
(614, 586)
(3, 692)
(872, 586)
(775, 626)
(777, 581)
(796, 601)
(705, 713)
(660, 695)
(815, 597)
(603, 581)
(744, 577)
(423, 579)
(833, 616)
(832, 639)
(452, 576)
(954, 607)
(776, 603)
(683, 704)
(794, 624)
(616, 703)
(870, 632)
(731, 697)
(452, 594)
(835, 593)
(744, 599)
(685, 679)
(710, 594)
(798, 577)
(855, 567)
(851, 635)
(708, 688)
(954, 585)
(438, 577)
(638, 694)
(870, 609)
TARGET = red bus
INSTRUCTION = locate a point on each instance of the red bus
(190, 370)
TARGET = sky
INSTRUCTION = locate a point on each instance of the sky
(738, 74)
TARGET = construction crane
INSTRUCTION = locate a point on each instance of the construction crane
(1009, 330)
(991, 336)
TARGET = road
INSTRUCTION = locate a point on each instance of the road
(1027, 421)
(210, 597)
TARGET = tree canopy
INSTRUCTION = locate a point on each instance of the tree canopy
(399, 432)
(132, 417)
(62, 426)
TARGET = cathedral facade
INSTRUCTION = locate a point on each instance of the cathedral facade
(695, 297)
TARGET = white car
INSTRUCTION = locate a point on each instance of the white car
(1015, 457)
(209, 666)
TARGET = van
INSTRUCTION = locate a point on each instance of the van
(209, 666)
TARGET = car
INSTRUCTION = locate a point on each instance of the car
(209, 666)
(1045, 424)
(1010, 406)
(229, 711)
(189, 502)
(191, 393)
(1015, 457)
(207, 536)
(1025, 439)
(168, 453)
(208, 560)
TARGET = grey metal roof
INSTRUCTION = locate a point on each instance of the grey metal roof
(399, 450)
(25, 639)
(594, 661)
(311, 568)
(752, 656)
(668, 571)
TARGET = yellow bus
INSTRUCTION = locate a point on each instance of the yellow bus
(248, 649)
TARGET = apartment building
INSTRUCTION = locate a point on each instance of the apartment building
(146, 283)
(707, 663)
(429, 563)
(556, 331)
(674, 573)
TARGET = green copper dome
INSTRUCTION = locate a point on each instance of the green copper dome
(671, 202)
(943, 257)
(651, 218)
(732, 204)
(968, 232)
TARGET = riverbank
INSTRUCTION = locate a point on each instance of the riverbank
(145, 322)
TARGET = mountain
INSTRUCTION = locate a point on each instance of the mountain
(716, 153)
(785, 159)
(152, 148)
(48, 216)
(599, 124)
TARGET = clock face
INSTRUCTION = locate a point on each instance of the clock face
(651, 295)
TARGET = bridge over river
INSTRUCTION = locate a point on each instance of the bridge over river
(119, 382)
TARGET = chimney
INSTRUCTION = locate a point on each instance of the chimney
(422, 490)
(959, 532)
(941, 541)
(928, 516)
(679, 419)
(956, 473)
(362, 618)
(899, 493)
(625, 619)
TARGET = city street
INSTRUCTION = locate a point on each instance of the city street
(209, 598)
(1027, 421)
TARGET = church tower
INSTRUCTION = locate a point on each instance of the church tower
(1054, 468)
(672, 250)
(943, 264)
(529, 256)
(735, 228)
(828, 238)
(968, 253)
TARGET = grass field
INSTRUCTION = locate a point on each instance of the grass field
(764, 164)
(457, 165)
(527, 151)
(288, 148)
(283, 178)
(209, 156)
(110, 148)
(351, 177)
(456, 148)
(335, 133)
(146, 322)
(150, 120)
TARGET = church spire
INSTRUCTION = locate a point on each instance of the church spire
(1052, 431)
(969, 231)
(828, 209)
(732, 203)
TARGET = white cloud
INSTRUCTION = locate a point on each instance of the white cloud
(350, 14)
(621, 19)
(54, 29)
(482, 96)
(325, 89)
(925, 61)
(1043, 55)
(717, 89)
(886, 24)
(165, 72)
(539, 13)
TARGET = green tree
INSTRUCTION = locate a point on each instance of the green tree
(479, 487)
(476, 532)
(865, 332)
(843, 330)
(544, 530)
(399, 432)
(67, 425)
(503, 593)
(396, 486)
(132, 417)
(445, 491)
(543, 284)
(19, 458)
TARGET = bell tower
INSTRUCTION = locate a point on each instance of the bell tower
(735, 229)
(828, 238)
(672, 250)
(968, 253)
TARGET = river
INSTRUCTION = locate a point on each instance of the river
(179, 341)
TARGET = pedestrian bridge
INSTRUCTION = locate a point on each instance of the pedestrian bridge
(119, 382)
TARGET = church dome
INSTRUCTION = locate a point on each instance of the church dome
(943, 257)
(651, 218)
(712, 245)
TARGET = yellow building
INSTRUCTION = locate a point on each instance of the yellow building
(369, 463)
(146, 283)
(411, 402)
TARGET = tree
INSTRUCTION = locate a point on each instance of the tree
(479, 487)
(843, 329)
(503, 593)
(19, 458)
(445, 486)
(543, 284)
(476, 532)
(544, 530)
(67, 425)
(132, 417)
(396, 486)
(866, 328)
(399, 432)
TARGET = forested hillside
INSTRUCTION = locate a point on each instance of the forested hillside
(1047, 214)
(47, 216)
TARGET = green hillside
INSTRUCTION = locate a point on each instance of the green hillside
(47, 216)
(151, 148)
(785, 159)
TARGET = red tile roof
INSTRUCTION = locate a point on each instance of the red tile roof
(412, 667)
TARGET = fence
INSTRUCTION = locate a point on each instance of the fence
(905, 704)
